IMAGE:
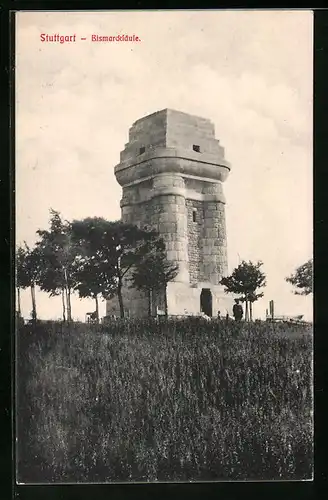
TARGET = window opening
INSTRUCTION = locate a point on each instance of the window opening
(196, 148)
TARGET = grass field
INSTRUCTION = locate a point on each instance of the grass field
(179, 400)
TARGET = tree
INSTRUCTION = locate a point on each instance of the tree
(92, 280)
(57, 261)
(110, 250)
(153, 273)
(27, 273)
(244, 281)
(302, 279)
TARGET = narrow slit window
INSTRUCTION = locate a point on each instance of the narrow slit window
(196, 148)
(142, 150)
(194, 215)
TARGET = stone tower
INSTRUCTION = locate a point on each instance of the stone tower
(171, 172)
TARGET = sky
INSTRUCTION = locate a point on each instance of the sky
(250, 72)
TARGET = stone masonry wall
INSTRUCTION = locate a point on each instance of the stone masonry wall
(214, 242)
(195, 235)
(146, 134)
(139, 214)
(185, 130)
(169, 218)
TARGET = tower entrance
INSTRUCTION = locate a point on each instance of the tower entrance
(206, 302)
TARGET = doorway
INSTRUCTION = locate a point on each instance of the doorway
(206, 302)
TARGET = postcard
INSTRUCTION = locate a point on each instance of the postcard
(163, 168)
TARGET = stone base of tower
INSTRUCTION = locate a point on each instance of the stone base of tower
(182, 300)
(190, 300)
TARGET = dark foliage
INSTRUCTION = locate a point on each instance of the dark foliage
(245, 281)
(302, 279)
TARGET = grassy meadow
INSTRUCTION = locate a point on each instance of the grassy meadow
(181, 400)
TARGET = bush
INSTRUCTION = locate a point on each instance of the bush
(174, 400)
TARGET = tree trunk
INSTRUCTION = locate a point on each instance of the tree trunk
(68, 297)
(97, 309)
(19, 310)
(67, 303)
(150, 302)
(69, 308)
(246, 310)
(34, 317)
(251, 311)
(120, 298)
(165, 302)
(64, 306)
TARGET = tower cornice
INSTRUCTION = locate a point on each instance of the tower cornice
(172, 162)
